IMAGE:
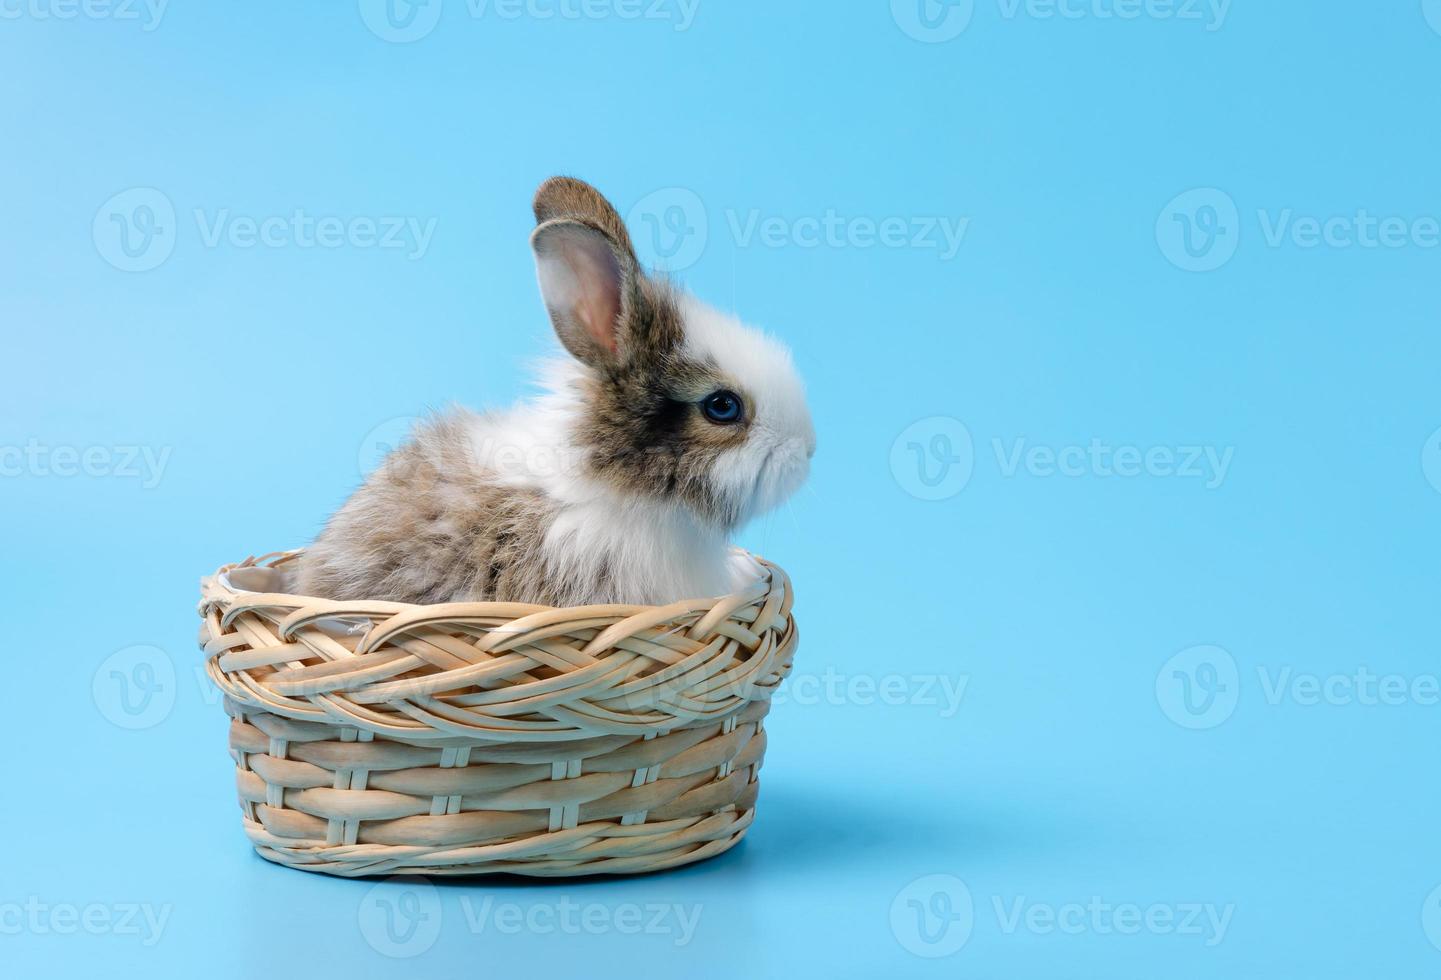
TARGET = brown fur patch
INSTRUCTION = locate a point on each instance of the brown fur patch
(422, 529)
(566, 197)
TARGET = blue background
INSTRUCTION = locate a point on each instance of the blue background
(265, 373)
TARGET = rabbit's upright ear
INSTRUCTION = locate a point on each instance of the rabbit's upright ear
(588, 287)
(588, 273)
(567, 197)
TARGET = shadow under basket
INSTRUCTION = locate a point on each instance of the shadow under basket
(481, 737)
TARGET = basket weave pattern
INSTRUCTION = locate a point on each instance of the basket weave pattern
(387, 738)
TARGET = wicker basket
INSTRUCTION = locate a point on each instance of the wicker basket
(386, 738)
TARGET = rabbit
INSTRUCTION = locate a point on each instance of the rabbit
(668, 427)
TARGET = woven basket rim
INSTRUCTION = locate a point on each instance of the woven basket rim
(448, 671)
(357, 607)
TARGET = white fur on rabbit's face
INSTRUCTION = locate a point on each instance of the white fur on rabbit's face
(774, 460)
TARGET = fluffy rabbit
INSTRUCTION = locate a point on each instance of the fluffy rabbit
(670, 426)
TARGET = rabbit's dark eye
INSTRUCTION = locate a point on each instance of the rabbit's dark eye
(722, 407)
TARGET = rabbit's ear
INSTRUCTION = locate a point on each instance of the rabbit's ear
(588, 284)
(567, 197)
